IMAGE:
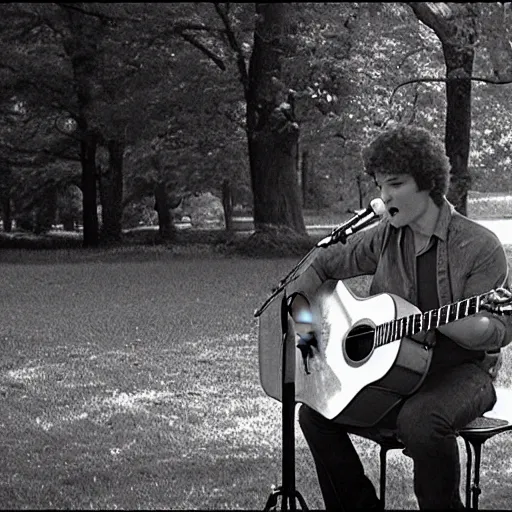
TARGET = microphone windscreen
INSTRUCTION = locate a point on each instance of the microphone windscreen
(377, 205)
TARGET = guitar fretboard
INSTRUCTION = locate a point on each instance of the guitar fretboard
(412, 324)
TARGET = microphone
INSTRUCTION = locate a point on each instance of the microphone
(375, 209)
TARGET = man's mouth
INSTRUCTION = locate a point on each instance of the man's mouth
(393, 211)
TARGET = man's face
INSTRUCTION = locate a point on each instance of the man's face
(405, 204)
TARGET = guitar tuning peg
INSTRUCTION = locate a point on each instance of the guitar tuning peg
(503, 293)
(502, 309)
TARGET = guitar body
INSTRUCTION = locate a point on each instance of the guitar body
(357, 375)
(350, 380)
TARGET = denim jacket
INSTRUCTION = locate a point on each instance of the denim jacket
(470, 261)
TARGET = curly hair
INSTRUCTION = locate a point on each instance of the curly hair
(410, 150)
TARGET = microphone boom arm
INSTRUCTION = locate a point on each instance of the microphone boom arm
(340, 234)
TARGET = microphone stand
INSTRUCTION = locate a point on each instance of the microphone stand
(287, 489)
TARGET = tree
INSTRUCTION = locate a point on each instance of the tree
(455, 26)
(272, 131)
(152, 94)
(97, 83)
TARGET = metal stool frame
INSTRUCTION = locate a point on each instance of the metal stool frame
(474, 435)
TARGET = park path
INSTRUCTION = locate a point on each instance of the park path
(502, 228)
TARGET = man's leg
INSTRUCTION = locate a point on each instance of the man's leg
(427, 423)
(341, 476)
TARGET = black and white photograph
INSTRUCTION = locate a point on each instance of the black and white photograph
(256, 256)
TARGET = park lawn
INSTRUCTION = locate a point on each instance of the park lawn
(129, 380)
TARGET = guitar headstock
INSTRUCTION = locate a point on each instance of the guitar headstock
(498, 301)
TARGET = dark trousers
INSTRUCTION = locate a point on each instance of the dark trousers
(426, 424)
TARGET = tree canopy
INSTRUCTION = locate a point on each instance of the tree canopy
(157, 95)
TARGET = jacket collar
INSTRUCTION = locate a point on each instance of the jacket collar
(443, 221)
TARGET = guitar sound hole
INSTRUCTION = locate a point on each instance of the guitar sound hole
(359, 342)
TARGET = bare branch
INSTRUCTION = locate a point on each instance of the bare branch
(100, 16)
(414, 81)
(217, 60)
(185, 25)
(486, 80)
(181, 28)
(234, 44)
(410, 54)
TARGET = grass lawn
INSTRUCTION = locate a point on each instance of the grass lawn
(129, 380)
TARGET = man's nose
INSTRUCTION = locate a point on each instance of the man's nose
(385, 195)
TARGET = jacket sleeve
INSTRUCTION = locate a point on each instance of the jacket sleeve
(490, 271)
(358, 256)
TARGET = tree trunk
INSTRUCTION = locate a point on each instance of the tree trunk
(166, 227)
(455, 26)
(227, 204)
(360, 193)
(46, 211)
(272, 131)
(68, 222)
(90, 212)
(6, 214)
(83, 48)
(5, 198)
(459, 66)
(305, 174)
(111, 194)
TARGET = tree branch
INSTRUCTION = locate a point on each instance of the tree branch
(491, 81)
(435, 15)
(179, 27)
(217, 60)
(235, 46)
(410, 54)
(99, 15)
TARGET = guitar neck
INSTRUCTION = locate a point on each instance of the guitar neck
(413, 324)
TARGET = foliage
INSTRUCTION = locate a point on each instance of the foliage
(176, 106)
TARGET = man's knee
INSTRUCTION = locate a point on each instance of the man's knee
(313, 423)
(306, 418)
(419, 427)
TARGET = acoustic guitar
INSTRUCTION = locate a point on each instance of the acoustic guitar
(370, 352)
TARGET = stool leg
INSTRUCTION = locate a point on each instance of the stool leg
(382, 483)
(476, 480)
(469, 464)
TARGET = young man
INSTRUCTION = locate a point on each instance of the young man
(430, 255)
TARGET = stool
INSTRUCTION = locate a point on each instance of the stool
(493, 422)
